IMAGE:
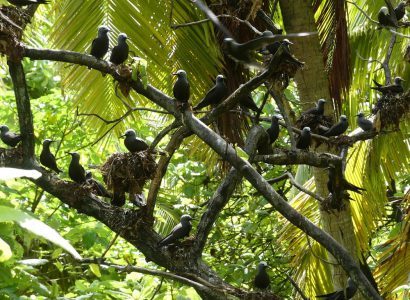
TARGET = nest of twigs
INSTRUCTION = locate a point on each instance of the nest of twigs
(392, 108)
(12, 157)
(11, 24)
(285, 71)
(128, 172)
(316, 123)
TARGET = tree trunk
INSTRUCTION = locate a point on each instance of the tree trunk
(313, 84)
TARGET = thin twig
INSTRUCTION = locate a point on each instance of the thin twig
(297, 288)
(157, 289)
(386, 68)
(129, 269)
(301, 188)
(127, 113)
(110, 245)
(363, 12)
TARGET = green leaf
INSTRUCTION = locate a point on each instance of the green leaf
(95, 269)
(8, 214)
(5, 251)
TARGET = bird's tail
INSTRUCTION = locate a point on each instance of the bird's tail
(376, 83)
(353, 188)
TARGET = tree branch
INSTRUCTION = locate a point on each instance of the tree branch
(24, 110)
(224, 192)
(298, 157)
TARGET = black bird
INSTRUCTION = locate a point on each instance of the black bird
(132, 142)
(318, 110)
(99, 46)
(180, 231)
(181, 87)
(395, 88)
(118, 198)
(119, 53)
(97, 187)
(243, 52)
(364, 124)
(75, 169)
(385, 18)
(262, 280)
(273, 130)
(214, 95)
(246, 101)
(47, 158)
(344, 294)
(304, 139)
(343, 184)
(286, 55)
(27, 2)
(338, 128)
(9, 138)
(400, 10)
(272, 48)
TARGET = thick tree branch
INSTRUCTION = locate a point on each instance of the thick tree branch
(224, 192)
(175, 142)
(298, 157)
(23, 109)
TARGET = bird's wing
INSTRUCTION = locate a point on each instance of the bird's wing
(207, 99)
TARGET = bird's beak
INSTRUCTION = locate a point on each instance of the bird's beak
(291, 43)
(174, 74)
(71, 153)
(121, 136)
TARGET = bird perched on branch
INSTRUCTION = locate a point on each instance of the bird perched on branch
(385, 18)
(47, 158)
(364, 124)
(338, 128)
(9, 138)
(273, 130)
(246, 101)
(97, 187)
(27, 2)
(132, 142)
(99, 46)
(215, 95)
(393, 89)
(262, 280)
(119, 53)
(400, 10)
(333, 183)
(305, 139)
(75, 169)
(344, 294)
(181, 87)
(318, 110)
(118, 198)
(180, 231)
(286, 55)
